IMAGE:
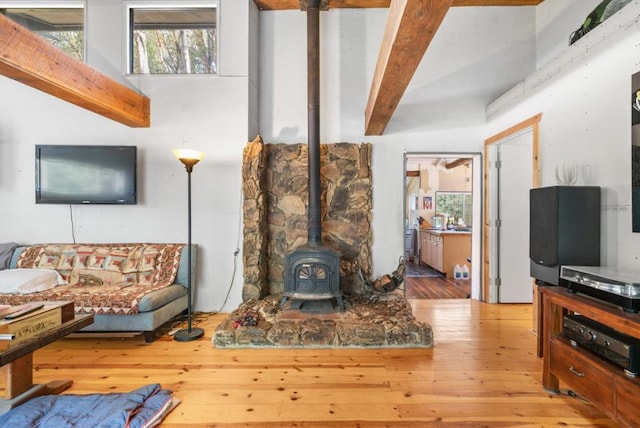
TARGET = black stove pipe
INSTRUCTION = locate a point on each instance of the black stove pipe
(314, 226)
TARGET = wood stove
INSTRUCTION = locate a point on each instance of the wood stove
(312, 271)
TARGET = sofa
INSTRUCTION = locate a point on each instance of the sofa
(133, 287)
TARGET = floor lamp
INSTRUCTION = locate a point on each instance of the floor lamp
(189, 158)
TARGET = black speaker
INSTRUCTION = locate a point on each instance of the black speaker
(564, 229)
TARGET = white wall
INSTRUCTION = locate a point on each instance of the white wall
(429, 119)
(584, 95)
(434, 116)
(585, 107)
(209, 113)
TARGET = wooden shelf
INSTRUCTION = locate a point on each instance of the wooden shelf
(603, 383)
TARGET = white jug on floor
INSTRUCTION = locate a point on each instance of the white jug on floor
(457, 272)
(465, 272)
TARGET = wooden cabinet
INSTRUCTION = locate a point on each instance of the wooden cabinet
(580, 373)
(425, 248)
(436, 256)
(601, 382)
(443, 250)
(431, 250)
(437, 253)
(627, 393)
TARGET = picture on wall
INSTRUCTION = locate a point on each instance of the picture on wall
(427, 203)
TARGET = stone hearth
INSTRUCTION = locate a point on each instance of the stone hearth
(376, 320)
(275, 211)
(275, 207)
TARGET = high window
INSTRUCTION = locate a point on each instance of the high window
(62, 26)
(173, 40)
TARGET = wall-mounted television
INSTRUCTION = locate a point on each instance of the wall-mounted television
(68, 174)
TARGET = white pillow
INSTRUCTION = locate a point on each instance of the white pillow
(25, 281)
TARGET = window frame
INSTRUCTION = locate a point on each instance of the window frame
(465, 210)
(164, 4)
(54, 4)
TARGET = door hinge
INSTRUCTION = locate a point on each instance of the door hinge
(498, 164)
(498, 282)
(498, 223)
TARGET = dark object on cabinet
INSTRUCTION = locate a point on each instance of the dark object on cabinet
(564, 229)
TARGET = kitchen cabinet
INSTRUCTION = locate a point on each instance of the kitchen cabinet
(438, 255)
(442, 250)
(431, 250)
(425, 248)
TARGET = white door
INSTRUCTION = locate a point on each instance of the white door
(514, 179)
(494, 254)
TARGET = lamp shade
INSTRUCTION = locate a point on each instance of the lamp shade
(188, 154)
(188, 157)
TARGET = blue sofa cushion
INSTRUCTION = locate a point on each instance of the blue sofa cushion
(6, 252)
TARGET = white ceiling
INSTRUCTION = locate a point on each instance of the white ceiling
(477, 55)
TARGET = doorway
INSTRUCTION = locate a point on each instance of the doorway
(512, 167)
(442, 205)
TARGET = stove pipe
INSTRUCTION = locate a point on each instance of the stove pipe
(314, 225)
(312, 271)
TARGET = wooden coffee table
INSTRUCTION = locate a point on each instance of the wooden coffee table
(18, 359)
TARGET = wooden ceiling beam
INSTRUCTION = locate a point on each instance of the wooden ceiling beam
(410, 28)
(337, 4)
(456, 163)
(29, 59)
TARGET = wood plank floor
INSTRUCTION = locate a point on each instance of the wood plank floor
(421, 287)
(482, 372)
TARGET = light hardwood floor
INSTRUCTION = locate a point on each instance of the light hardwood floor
(482, 372)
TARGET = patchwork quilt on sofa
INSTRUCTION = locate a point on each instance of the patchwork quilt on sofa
(101, 278)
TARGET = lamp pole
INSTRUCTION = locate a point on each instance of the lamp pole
(189, 158)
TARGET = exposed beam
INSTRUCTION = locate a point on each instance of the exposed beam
(411, 25)
(456, 163)
(336, 4)
(31, 60)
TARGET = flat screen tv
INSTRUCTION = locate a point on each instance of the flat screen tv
(85, 174)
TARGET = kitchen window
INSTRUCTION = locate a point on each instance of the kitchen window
(455, 205)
